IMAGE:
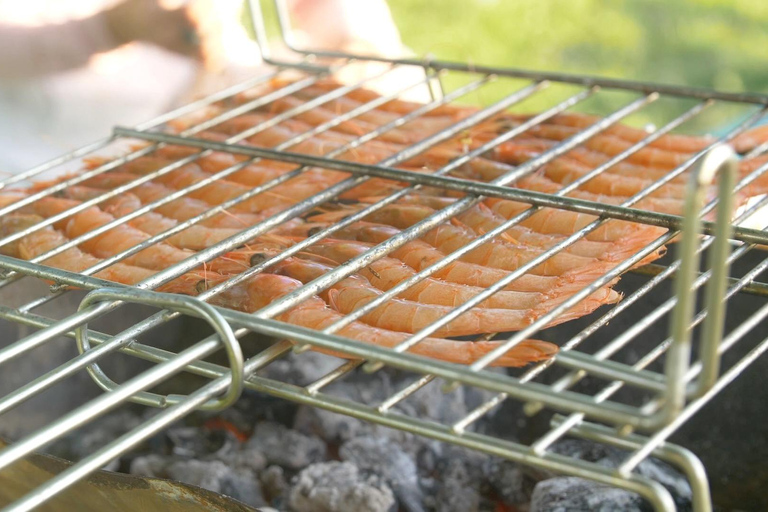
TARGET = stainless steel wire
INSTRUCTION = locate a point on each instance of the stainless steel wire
(557, 396)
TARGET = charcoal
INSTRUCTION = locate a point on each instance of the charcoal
(429, 403)
(285, 447)
(95, 435)
(339, 487)
(572, 494)
(273, 482)
(611, 457)
(301, 369)
(248, 456)
(427, 455)
(151, 465)
(509, 481)
(196, 441)
(380, 456)
(432, 403)
(461, 475)
(238, 483)
(331, 427)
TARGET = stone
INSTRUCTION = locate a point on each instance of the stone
(339, 487)
(286, 447)
(572, 494)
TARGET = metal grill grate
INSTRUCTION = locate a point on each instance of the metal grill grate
(673, 391)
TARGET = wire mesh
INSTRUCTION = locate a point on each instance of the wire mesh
(546, 387)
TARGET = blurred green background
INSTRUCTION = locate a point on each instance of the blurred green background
(721, 44)
(710, 43)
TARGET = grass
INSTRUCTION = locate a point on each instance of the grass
(705, 43)
(718, 44)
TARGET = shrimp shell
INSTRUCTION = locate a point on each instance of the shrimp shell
(314, 313)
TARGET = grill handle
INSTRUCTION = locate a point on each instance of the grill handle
(721, 162)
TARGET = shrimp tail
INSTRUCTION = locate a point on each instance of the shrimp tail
(524, 353)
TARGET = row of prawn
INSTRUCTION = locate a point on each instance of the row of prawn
(460, 281)
(523, 301)
(624, 179)
(386, 326)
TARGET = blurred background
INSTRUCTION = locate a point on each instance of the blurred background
(702, 43)
(70, 70)
(707, 43)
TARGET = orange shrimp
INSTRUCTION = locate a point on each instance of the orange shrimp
(411, 316)
(450, 236)
(356, 127)
(314, 313)
(359, 96)
(73, 259)
(420, 255)
(194, 237)
(565, 171)
(215, 161)
(552, 220)
(386, 273)
(157, 256)
(670, 142)
(611, 146)
(222, 190)
(180, 209)
(521, 150)
(406, 316)
(750, 139)
(539, 183)
(482, 219)
(401, 314)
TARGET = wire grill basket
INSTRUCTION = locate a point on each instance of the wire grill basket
(673, 386)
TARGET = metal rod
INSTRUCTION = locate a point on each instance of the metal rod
(693, 407)
(532, 197)
(584, 80)
(754, 288)
(721, 160)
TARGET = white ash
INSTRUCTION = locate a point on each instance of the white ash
(286, 447)
(292, 468)
(566, 494)
(428, 403)
(151, 465)
(190, 441)
(213, 475)
(339, 487)
(331, 427)
(461, 478)
(105, 429)
(247, 456)
(301, 369)
(238, 483)
(383, 457)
